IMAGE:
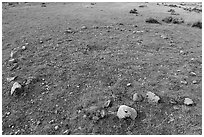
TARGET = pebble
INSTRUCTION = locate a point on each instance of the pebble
(23, 48)
(195, 82)
(108, 103)
(192, 73)
(137, 97)
(56, 127)
(188, 101)
(38, 123)
(15, 86)
(126, 111)
(12, 60)
(52, 121)
(175, 107)
(103, 113)
(13, 54)
(67, 132)
(83, 27)
(152, 97)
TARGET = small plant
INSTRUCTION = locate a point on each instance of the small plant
(152, 20)
(197, 24)
(167, 19)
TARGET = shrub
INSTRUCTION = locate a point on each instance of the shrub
(152, 20)
(167, 19)
(197, 24)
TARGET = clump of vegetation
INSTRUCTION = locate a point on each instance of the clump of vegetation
(152, 20)
(133, 11)
(197, 24)
(167, 19)
(178, 21)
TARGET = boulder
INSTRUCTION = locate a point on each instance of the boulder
(137, 97)
(152, 97)
(16, 86)
(188, 101)
(126, 111)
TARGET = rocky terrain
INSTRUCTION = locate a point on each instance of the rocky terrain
(101, 68)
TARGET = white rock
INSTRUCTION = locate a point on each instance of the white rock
(13, 54)
(16, 85)
(23, 47)
(188, 101)
(137, 97)
(152, 97)
(125, 111)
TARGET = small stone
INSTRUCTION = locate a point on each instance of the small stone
(13, 54)
(23, 48)
(129, 84)
(12, 60)
(56, 127)
(95, 118)
(192, 73)
(195, 82)
(83, 27)
(184, 82)
(11, 79)
(67, 132)
(134, 32)
(103, 113)
(188, 101)
(41, 41)
(176, 107)
(8, 113)
(152, 97)
(125, 111)
(52, 121)
(38, 123)
(68, 31)
(15, 86)
(108, 103)
(137, 97)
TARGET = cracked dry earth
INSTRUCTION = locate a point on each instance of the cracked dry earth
(81, 55)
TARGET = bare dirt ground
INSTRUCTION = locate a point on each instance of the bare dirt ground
(74, 69)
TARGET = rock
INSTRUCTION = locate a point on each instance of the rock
(83, 27)
(56, 127)
(192, 73)
(38, 123)
(125, 111)
(103, 113)
(16, 86)
(13, 53)
(188, 101)
(195, 81)
(23, 47)
(108, 103)
(13, 60)
(68, 31)
(176, 107)
(137, 97)
(11, 79)
(152, 97)
(67, 132)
